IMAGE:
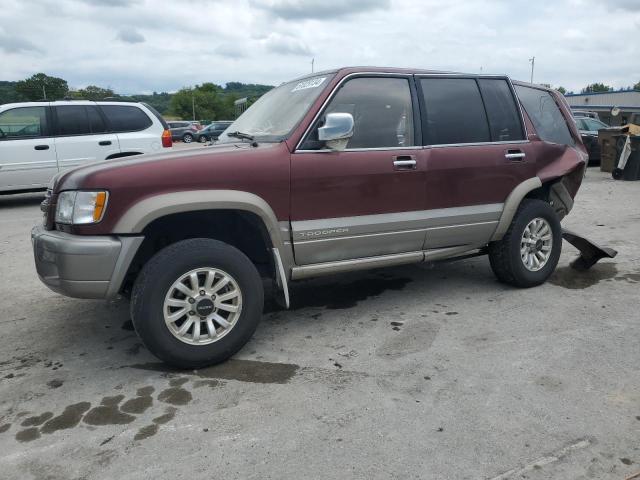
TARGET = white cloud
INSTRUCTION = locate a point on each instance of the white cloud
(575, 42)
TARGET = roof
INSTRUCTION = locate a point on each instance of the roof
(600, 93)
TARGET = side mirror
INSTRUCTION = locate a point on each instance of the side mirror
(337, 130)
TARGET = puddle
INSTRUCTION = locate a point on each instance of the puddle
(567, 277)
(28, 435)
(146, 432)
(175, 396)
(167, 417)
(37, 420)
(242, 370)
(340, 296)
(107, 413)
(140, 403)
(5, 427)
(69, 418)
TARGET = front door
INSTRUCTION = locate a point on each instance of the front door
(27, 150)
(365, 200)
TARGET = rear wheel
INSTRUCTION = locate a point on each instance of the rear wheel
(203, 139)
(187, 138)
(529, 252)
(197, 302)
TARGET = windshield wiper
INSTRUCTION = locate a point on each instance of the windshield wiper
(241, 135)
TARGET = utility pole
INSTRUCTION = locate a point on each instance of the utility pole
(532, 60)
(312, 62)
(193, 105)
(44, 92)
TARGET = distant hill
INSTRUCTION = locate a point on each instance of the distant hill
(160, 101)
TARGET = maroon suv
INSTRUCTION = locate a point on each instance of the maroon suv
(343, 170)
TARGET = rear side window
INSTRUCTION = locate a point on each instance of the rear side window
(454, 111)
(545, 115)
(23, 122)
(78, 120)
(96, 122)
(125, 118)
(502, 110)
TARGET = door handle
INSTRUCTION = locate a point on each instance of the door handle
(41, 147)
(404, 162)
(104, 143)
(515, 155)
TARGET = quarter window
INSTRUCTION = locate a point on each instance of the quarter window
(382, 113)
(23, 122)
(545, 115)
(454, 111)
(503, 113)
(125, 118)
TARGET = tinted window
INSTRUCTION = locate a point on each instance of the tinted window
(23, 122)
(381, 109)
(72, 120)
(502, 110)
(454, 111)
(594, 125)
(124, 118)
(545, 115)
(96, 122)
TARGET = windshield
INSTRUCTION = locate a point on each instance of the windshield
(278, 112)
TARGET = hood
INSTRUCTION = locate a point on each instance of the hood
(177, 166)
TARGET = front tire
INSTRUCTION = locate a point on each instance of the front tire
(202, 139)
(529, 252)
(187, 138)
(197, 302)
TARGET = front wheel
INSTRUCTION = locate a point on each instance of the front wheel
(187, 138)
(529, 252)
(202, 139)
(197, 302)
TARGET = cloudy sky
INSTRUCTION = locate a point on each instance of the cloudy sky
(138, 46)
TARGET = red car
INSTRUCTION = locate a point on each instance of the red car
(343, 170)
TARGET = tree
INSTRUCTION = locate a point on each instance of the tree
(93, 92)
(562, 90)
(206, 100)
(596, 87)
(636, 86)
(41, 86)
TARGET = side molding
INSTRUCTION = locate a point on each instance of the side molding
(511, 205)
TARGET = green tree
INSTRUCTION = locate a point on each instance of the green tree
(562, 90)
(205, 100)
(41, 86)
(596, 87)
(93, 92)
(636, 86)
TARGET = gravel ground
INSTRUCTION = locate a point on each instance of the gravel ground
(430, 371)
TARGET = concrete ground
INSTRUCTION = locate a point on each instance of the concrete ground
(433, 372)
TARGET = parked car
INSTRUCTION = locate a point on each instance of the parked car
(589, 128)
(40, 139)
(196, 124)
(585, 113)
(339, 171)
(212, 131)
(184, 131)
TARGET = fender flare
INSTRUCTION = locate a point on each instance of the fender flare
(511, 205)
(151, 208)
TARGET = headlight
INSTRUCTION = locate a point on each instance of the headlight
(80, 208)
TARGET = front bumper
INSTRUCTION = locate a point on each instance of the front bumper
(82, 266)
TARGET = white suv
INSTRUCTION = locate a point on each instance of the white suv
(40, 139)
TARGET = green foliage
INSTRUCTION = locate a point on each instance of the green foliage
(8, 93)
(159, 101)
(41, 86)
(562, 90)
(636, 86)
(92, 92)
(596, 87)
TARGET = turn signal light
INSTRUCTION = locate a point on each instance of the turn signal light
(101, 202)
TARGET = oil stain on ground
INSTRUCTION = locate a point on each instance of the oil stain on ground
(338, 296)
(107, 413)
(567, 277)
(242, 370)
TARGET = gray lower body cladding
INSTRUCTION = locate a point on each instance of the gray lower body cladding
(336, 239)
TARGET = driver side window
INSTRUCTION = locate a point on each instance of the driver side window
(23, 122)
(382, 113)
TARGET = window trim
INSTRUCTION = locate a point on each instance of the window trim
(417, 126)
(48, 130)
(523, 124)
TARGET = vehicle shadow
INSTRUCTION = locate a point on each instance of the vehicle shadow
(21, 200)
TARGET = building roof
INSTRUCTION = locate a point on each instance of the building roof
(624, 99)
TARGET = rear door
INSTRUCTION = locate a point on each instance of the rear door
(136, 131)
(477, 154)
(27, 149)
(81, 136)
(365, 200)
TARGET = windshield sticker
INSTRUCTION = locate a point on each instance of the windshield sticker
(312, 83)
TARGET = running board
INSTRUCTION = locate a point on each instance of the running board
(590, 252)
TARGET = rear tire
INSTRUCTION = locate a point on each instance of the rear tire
(529, 252)
(202, 139)
(158, 279)
(187, 138)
